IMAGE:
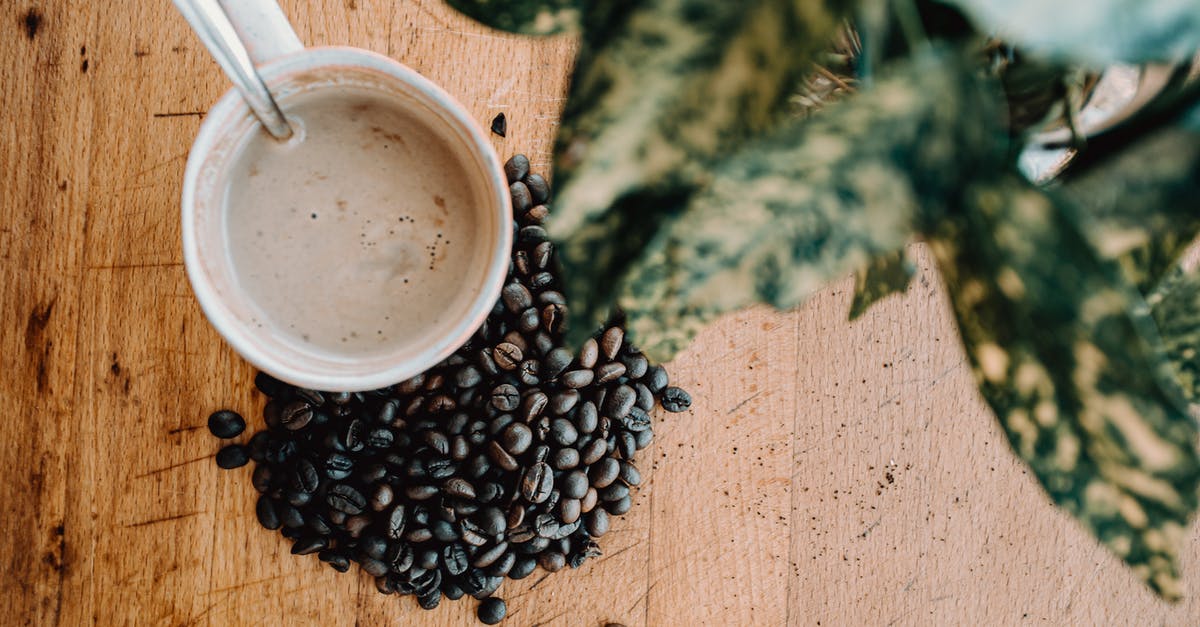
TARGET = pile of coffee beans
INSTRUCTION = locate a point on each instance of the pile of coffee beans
(511, 454)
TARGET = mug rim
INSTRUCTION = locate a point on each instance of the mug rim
(217, 123)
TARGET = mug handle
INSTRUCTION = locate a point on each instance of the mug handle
(263, 28)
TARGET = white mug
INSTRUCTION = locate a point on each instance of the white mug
(289, 69)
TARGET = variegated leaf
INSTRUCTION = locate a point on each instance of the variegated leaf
(786, 214)
(529, 17)
(885, 275)
(1176, 307)
(1070, 375)
(1142, 206)
(1101, 32)
(663, 86)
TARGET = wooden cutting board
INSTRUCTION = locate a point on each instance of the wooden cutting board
(829, 473)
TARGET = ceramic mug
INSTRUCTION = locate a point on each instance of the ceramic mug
(289, 69)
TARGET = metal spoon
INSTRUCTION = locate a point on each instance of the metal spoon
(208, 19)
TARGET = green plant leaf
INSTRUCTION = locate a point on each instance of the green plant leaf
(661, 87)
(1176, 308)
(787, 213)
(1100, 32)
(528, 17)
(1140, 206)
(885, 275)
(1062, 357)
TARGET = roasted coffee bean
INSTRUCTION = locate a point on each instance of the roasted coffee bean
(490, 492)
(542, 255)
(626, 443)
(233, 456)
(508, 356)
(543, 343)
(556, 361)
(529, 320)
(258, 445)
(356, 525)
(491, 521)
(594, 451)
(382, 498)
(645, 400)
(501, 457)
(576, 379)
(563, 432)
(400, 556)
(467, 377)
(619, 506)
(411, 385)
(338, 466)
(574, 484)
(565, 459)
(522, 200)
(532, 235)
(552, 317)
(261, 478)
(441, 404)
(437, 441)
(635, 365)
(501, 566)
(515, 338)
(290, 516)
(295, 415)
(271, 386)
(589, 353)
(515, 517)
(346, 499)
(428, 559)
(385, 585)
(536, 545)
(552, 561)
(537, 482)
(471, 533)
(520, 263)
(537, 214)
(373, 547)
(636, 420)
(335, 559)
(290, 533)
(314, 398)
(373, 567)
(516, 297)
(587, 418)
(534, 405)
(505, 397)
(545, 525)
(489, 556)
(541, 280)
(548, 297)
(226, 424)
(528, 371)
(589, 500)
(305, 477)
(459, 448)
(643, 438)
(517, 438)
(267, 514)
(609, 372)
(614, 492)
(486, 362)
(618, 402)
(380, 438)
(676, 400)
(522, 568)
(569, 510)
(656, 379)
(538, 188)
(629, 474)
(564, 402)
(420, 492)
(297, 498)
(455, 559)
(516, 168)
(604, 472)
(443, 531)
(596, 523)
(318, 525)
(458, 488)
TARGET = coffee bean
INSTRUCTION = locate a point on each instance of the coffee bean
(614, 492)
(676, 400)
(569, 510)
(635, 365)
(380, 438)
(532, 235)
(290, 516)
(305, 477)
(553, 316)
(619, 507)
(501, 457)
(645, 400)
(563, 402)
(515, 338)
(545, 525)
(516, 297)
(562, 432)
(556, 361)
(528, 371)
(455, 559)
(576, 379)
(297, 498)
(507, 356)
(523, 568)
(400, 556)
(629, 474)
(355, 525)
(373, 567)
(491, 521)
(620, 401)
(258, 446)
(295, 415)
(537, 482)
(338, 466)
(533, 405)
(529, 320)
(541, 280)
(395, 521)
(565, 459)
(233, 456)
(441, 404)
(270, 385)
(336, 560)
(490, 492)
(517, 438)
(643, 438)
(226, 424)
(346, 499)
(538, 188)
(626, 443)
(488, 557)
(373, 547)
(574, 485)
(520, 262)
(420, 492)
(596, 522)
(589, 353)
(542, 255)
(552, 561)
(458, 488)
(656, 379)
(589, 500)
(515, 517)
(594, 451)
(636, 420)
(604, 472)
(505, 397)
(268, 516)
(516, 168)
(501, 566)
(437, 441)
(537, 214)
(543, 343)
(486, 362)
(522, 200)
(472, 534)
(428, 559)
(261, 478)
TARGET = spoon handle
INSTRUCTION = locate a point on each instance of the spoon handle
(212, 25)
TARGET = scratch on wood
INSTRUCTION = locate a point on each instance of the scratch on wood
(173, 466)
(138, 266)
(181, 114)
(871, 527)
(743, 403)
(614, 554)
(155, 521)
(182, 429)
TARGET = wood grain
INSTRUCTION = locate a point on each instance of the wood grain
(829, 473)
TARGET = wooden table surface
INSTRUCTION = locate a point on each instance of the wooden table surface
(829, 473)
